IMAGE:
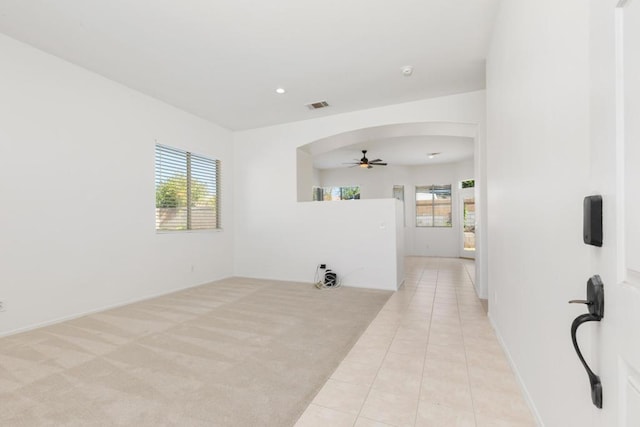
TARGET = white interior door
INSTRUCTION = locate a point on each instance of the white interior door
(628, 286)
(617, 340)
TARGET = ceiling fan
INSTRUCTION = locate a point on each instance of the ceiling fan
(366, 163)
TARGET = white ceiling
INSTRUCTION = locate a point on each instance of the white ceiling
(223, 60)
(400, 151)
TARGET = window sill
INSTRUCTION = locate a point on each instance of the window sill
(214, 230)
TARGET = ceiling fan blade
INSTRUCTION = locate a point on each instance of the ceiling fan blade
(374, 161)
(377, 164)
(369, 167)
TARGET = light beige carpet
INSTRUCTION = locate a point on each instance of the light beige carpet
(238, 352)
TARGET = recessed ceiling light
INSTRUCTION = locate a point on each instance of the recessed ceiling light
(280, 91)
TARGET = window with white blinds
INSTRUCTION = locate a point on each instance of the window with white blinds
(187, 190)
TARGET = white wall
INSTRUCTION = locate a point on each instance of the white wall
(375, 183)
(268, 172)
(77, 182)
(400, 252)
(356, 239)
(307, 176)
(537, 171)
(379, 182)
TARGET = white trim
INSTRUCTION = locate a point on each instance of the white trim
(620, 140)
(523, 388)
(98, 310)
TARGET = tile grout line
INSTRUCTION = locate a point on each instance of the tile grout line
(466, 360)
(383, 359)
(424, 359)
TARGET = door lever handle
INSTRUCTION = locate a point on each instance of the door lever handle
(595, 304)
(580, 301)
(594, 380)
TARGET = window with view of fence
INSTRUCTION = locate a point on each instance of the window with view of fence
(433, 206)
(187, 190)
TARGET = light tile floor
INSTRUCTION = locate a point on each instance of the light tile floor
(430, 358)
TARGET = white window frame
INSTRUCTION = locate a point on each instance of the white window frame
(432, 189)
(187, 188)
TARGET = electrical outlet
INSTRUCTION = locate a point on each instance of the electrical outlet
(2, 306)
(323, 266)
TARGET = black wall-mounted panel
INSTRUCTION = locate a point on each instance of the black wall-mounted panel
(592, 220)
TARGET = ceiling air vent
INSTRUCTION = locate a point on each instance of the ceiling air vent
(317, 105)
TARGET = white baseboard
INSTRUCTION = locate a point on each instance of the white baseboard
(98, 310)
(514, 368)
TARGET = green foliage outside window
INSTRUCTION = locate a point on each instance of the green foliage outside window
(173, 193)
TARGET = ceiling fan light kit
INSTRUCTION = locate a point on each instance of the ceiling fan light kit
(366, 163)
